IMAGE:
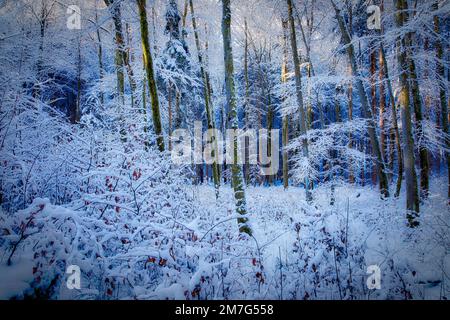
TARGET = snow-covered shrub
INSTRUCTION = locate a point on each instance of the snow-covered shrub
(52, 238)
(329, 150)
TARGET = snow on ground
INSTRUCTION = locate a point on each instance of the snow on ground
(15, 279)
(378, 226)
(298, 251)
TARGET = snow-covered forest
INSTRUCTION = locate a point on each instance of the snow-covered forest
(113, 118)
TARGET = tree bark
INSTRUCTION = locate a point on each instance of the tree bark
(118, 60)
(442, 98)
(381, 172)
(382, 110)
(170, 110)
(238, 185)
(77, 113)
(148, 62)
(351, 175)
(423, 152)
(412, 196)
(285, 128)
(101, 70)
(207, 98)
(417, 104)
(394, 121)
(269, 123)
(373, 98)
(247, 103)
(298, 88)
(122, 55)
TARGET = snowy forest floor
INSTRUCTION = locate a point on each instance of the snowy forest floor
(298, 251)
(280, 218)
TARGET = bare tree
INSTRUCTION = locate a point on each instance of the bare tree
(148, 62)
(298, 89)
(207, 98)
(237, 178)
(412, 195)
(380, 165)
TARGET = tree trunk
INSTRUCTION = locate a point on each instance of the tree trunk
(155, 44)
(412, 196)
(170, 110)
(382, 107)
(119, 62)
(144, 109)
(210, 91)
(335, 160)
(269, 123)
(122, 55)
(129, 56)
(77, 111)
(417, 104)
(394, 121)
(442, 97)
(148, 62)
(306, 42)
(285, 129)
(298, 87)
(238, 185)
(183, 20)
(207, 98)
(373, 94)
(247, 103)
(351, 175)
(381, 172)
(101, 70)
(43, 22)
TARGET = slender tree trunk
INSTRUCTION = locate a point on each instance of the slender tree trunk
(210, 93)
(144, 108)
(373, 94)
(207, 99)
(101, 70)
(178, 113)
(285, 133)
(298, 85)
(351, 143)
(442, 98)
(169, 102)
(382, 112)
(309, 108)
(351, 175)
(391, 133)
(394, 121)
(155, 44)
(269, 123)
(43, 22)
(208, 79)
(238, 184)
(382, 107)
(123, 60)
(381, 172)
(306, 43)
(77, 111)
(310, 70)
(118, 59)
(417, 104)
(335, 162)
(129, 59)
(412, 195)
(285, 129)
(148, 62)
(183, 20)
(247, 103)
